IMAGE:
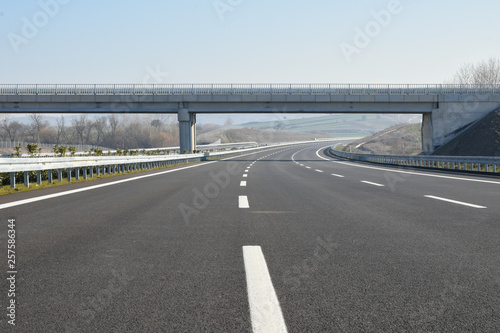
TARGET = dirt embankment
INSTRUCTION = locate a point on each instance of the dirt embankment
(401, 139)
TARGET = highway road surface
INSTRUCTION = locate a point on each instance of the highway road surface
(284, 240)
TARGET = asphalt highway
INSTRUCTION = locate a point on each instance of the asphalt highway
(284, 240)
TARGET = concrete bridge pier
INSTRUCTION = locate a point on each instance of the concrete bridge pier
(427, 141)
(187, 130)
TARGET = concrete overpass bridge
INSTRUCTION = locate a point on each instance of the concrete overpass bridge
(446, 109)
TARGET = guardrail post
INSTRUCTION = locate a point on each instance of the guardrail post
(59, 175)
(26, 179)
(77, 173)
(39, 177)
(91, 172)
(84, 173)
(109, 169)
(12, 180)
(69, 174)
(50, 176)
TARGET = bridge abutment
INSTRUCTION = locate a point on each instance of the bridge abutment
(451, 118)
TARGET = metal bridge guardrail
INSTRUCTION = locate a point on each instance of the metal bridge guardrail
(247, 89)
(466, 163)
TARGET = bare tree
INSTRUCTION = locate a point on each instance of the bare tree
(79, 127)
(100, 127)
(485, 72)
(13, 130)
(37, 124)
(60, 130)
(114, 122)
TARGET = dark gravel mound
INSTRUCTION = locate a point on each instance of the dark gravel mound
(481, 139)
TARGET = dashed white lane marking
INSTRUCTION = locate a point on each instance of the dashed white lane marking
(265, 309)
(370, 183)
(454, 201)
(243, 201)
(335, 175)
(308, 167)
(243, 183)
(245, 175)
(247, 170)
(318, 170)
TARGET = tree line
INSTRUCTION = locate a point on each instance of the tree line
(111, 131)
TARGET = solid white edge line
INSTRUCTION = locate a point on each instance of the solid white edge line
(243, 201)
(323, 158)
(370, 183)
(418, 173)
(93, 187)
(265, 309)
(455, 201)
(243, 183)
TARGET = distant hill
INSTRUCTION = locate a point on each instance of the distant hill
(480, 139)
(401, 139)
(345, 125)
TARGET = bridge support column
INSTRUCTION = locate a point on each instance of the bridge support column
(427, 142)
(187, 130)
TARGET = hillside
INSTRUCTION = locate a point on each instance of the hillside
(345, 125)
(401, 139)
(481, 139)
(252, 135)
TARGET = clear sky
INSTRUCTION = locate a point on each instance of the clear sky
(243, 41)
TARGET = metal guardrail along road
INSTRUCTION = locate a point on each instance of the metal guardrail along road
(466, 163)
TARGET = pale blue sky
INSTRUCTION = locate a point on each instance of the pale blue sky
(258, 41)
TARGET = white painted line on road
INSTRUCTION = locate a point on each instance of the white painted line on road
(318, 170)
(308, 167)
(245, 175)
(340, 176)
(243, 183)
(247, 170)
(243, 201)
(370, 183)
(302, 165)
(93, 187)
(265, 309)
(323, 158)
(454, 201)
(89, 188)
(418, 173)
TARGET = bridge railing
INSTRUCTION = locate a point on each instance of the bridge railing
(465, 163)
(246, 89)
